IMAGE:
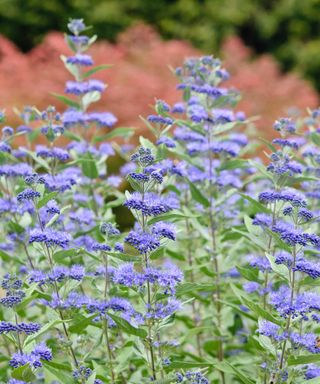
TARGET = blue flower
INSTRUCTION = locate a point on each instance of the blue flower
(160, 119)
(15, 170)
(312, 372)
(80, 59)
(267, 328)
(285, 125)
(55, 153)
(142, 241)
(164, 229)
(76, 26)
(102, 119)
(50, 237)
(305, 266)
(28, 194)
(169, 143)
(150, 204)
(81, 88)
(306, 341)
(109, 229)
(293, 197)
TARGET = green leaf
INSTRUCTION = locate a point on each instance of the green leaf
(187, 288)
(117, 132)
(125, 257)
(38, 160)
(5, 256)
(259, 311)
(80, 323)
(90, 98)
(279, 269)
(225, 196)
(303, 359)
(186, 94)
(234, 164)
(127, 327)
(228, 368)
(267, 344)
(224, 128)
(259, 207)
(92, 378)
(150, 126)
(96, 69)
(89, 167)
(71, 135)
(53, 364)
(56, 216)
(66, 100)
(46, 198)
(198, 196)
(249, 273)
(70, 43)
(64, 256)
(170, 217)
(15, 227)
(23, 373)
(42, 331)
(237, 309)
(63, 377)
(165, 380)
(188, 364)
(315, 137)
(73, 69)
(269, 145)
(147, 143)
(315, 380)
(261, 168)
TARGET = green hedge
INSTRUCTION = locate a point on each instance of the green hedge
(289, 29)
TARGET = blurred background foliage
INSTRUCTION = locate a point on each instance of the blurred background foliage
(288, 29)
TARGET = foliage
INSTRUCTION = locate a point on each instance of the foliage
(217, 280)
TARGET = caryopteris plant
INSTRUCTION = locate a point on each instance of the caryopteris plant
(212, 276)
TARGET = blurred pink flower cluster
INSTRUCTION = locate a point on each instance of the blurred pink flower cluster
(140, 72)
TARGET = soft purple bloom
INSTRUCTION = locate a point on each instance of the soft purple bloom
(150, 204)
(259, 262)
(160, 119)
(80, 59)
(102, 119)
(267, 328)
(15, 170)
(164, 229)
(55, 153)
(312, 372)
(81, 88)
(28, 194)
(144, 242)
(76, 26)
(114, 180)
(50, 237)
(169, 143)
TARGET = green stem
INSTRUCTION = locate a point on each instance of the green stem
(150, 339)
(215, 260)
(18, 336)
(106, 332)
(190, 263)
(281, 364)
